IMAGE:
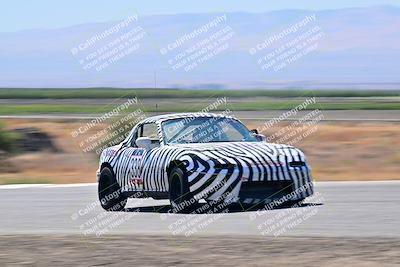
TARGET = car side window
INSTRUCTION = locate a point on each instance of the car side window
(149, 130)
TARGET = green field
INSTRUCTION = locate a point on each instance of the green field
(239, 106)
(29, 93)
(165, 100)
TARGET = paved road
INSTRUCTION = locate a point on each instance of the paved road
(352, 209)
(329, 115)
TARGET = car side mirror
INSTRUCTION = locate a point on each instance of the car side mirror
(254, 131)
(143, 142)
(261, 137)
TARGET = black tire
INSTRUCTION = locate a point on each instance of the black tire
(181, 199)
(109, 192)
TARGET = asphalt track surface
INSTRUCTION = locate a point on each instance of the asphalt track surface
(340, 209)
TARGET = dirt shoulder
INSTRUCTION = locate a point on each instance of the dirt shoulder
(69, 250)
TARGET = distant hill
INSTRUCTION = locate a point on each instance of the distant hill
(359, 48)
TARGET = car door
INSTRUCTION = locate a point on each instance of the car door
(129, 163)
(150, 166)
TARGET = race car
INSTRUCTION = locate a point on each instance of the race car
(187, 157)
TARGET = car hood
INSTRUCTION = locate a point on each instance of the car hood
(246, 149)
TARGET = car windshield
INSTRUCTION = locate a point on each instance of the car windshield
(205, 130)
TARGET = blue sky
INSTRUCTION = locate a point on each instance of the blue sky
(33, 14)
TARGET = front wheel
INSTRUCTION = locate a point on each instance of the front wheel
(180, 196)
(109, 191)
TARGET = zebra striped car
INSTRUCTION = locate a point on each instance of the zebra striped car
(191, 156)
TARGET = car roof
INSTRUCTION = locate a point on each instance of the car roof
(164, 117)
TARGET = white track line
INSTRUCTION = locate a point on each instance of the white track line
(22, 186)
(330, 183)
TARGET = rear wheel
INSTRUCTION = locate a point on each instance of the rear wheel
(180, 197)
(109, 192)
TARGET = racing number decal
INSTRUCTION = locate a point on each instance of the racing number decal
(136, 158)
